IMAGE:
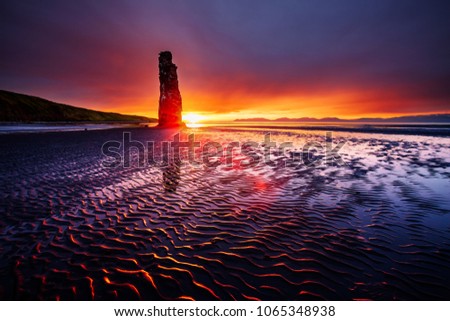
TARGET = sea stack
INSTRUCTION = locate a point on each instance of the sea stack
(169, 112)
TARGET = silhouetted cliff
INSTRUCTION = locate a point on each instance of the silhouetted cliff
(16, 107)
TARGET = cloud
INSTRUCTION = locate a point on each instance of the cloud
(232, 55)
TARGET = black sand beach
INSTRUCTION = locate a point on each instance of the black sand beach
(376, 227)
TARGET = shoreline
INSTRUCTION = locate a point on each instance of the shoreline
(426, 129)
(46, 127)
(394, 129)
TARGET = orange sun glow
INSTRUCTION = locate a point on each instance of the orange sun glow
(192, 119)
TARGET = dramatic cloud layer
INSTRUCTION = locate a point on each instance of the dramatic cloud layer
(236, 58)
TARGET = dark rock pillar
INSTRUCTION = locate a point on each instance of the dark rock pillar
(169, 112)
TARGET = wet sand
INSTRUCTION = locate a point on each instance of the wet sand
(377, 227)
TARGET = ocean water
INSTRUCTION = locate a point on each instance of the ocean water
(428, 129)
(48, 127)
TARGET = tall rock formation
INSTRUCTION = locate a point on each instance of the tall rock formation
(169, 112)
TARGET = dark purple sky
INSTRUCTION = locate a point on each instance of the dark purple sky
(236, 58)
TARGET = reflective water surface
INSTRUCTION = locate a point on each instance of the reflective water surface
(377, 227)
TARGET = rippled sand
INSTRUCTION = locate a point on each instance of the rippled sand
(377, 227)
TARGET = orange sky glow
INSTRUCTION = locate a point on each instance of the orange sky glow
(346, 104)
(235, 60)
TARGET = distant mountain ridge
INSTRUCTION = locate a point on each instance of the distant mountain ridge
(16, 107)
(432, 118)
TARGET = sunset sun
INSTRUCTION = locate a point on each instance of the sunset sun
(192, 119)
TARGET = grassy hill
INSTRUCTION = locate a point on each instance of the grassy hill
(23, 108)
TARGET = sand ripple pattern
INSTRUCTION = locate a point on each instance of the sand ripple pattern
(376, 228)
